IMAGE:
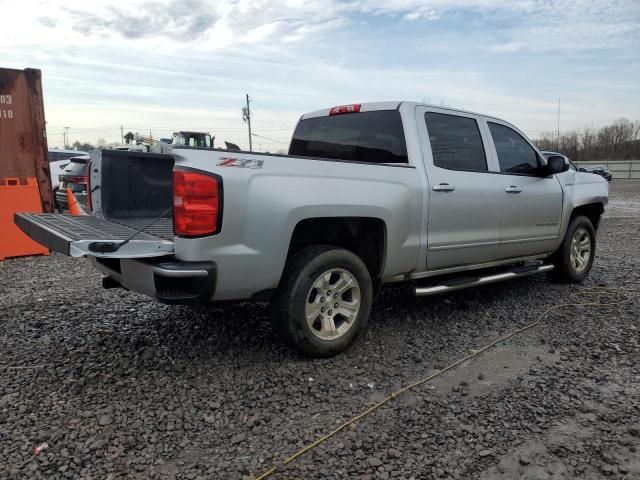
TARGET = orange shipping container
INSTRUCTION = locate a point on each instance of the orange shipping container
(25, 185)
(23, 138)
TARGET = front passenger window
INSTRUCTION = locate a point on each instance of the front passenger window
(515, 155)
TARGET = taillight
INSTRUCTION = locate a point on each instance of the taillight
(353, 108)
(196, 204)
(77, 179)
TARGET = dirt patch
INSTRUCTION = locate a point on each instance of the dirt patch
(492, 369)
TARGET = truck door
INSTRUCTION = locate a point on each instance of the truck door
(532, 204)
(464, 198)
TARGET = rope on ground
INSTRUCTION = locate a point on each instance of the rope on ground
(592, 298)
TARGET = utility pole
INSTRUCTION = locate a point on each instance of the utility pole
(246, 117)
(558, 138)
(121, 135)
(66, 137)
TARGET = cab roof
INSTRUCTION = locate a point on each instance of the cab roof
(395, 105)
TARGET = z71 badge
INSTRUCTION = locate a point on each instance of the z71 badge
(240, 163)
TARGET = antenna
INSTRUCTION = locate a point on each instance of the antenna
(558, 137)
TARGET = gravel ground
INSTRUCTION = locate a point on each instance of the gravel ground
(121, 387)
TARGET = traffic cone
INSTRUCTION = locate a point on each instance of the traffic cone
(72, 202)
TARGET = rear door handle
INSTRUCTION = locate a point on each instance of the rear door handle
(444, 187)
(513, 189)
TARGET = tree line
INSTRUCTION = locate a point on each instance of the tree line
(617, 141)
(86, 146)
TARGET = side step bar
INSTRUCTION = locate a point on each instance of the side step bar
(459, 284)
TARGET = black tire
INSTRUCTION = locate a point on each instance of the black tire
(295, 292)
(565, 270)
(58, 208)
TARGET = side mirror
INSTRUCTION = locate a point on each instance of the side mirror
(582, 169)
(555, 164)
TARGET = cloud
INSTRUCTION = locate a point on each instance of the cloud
(576, 25)
(188, 63)
(538, 25)
(183, 20)
(47, 21)
(260, 33)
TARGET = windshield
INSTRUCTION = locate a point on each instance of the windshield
(190, 139)
(373, 137)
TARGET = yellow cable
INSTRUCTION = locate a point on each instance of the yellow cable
(589, 292)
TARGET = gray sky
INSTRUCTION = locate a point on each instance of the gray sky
(163, 65)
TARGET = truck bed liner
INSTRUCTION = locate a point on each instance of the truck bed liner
(163, 228)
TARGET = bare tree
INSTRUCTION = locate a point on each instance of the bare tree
(619, 140)
(588, 142)
(635, 130)
(547, 141)
(570, 144)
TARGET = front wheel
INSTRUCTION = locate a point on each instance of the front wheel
(574, 258)
(323, 300)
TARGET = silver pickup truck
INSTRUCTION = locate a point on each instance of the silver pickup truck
(369, 194)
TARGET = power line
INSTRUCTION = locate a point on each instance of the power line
(117, 129)
(268, 138)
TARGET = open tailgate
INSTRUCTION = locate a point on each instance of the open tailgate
(82, 235)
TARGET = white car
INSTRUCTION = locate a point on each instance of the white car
(58, 159)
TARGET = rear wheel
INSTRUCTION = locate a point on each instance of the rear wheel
(574, 258)
(323, 301)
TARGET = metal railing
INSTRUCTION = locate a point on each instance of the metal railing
(620, 169)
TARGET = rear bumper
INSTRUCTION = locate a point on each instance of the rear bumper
(166, 279)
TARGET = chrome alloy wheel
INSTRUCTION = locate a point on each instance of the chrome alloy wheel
(333, 304)
(580, 250)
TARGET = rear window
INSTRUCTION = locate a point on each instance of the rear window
(76, 167)
(57, 156)
(373, 137)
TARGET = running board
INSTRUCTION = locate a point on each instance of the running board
(477, 281)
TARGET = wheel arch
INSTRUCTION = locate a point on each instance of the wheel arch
(593, 211)
(366, 237)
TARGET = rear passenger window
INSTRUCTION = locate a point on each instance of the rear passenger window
(515, 155)
(455, 142)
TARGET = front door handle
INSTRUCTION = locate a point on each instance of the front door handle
(513, 189)
(444, 187)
